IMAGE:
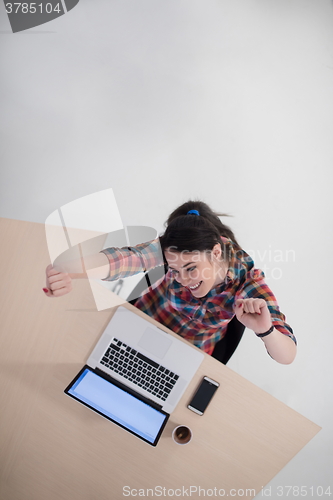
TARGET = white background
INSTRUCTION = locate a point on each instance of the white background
(227, 101)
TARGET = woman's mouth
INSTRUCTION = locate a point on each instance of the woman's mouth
(195, 287)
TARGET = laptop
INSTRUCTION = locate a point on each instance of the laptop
(136, 375)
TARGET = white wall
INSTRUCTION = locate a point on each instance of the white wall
(228, 101)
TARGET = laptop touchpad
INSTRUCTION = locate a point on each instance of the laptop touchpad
(154, 343)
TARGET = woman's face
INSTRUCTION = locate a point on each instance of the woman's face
(199, 272)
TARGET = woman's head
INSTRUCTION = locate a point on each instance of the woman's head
(193, 248)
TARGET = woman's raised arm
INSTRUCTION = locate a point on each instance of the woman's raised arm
(109, 264)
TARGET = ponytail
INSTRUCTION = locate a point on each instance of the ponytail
(192, 232)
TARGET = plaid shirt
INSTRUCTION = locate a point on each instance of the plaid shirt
(201, 321)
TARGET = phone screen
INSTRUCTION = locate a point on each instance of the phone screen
(203, 395)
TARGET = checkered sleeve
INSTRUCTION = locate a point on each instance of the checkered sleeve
(256, 287)
(127, 261)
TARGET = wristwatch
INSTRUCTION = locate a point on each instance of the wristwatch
(266, 333)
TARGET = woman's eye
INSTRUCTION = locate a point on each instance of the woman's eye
(191, 269)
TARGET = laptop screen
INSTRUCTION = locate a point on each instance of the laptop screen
(118, 405)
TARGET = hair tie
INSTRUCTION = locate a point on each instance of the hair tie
(195, 212)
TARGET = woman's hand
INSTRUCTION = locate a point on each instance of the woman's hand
(57, 283)
(254, 314)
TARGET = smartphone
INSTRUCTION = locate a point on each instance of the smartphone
(203, 395)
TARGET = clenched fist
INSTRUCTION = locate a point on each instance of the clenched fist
(57, 283)
(254, 314)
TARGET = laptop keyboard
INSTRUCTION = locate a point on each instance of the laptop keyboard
(139, 369)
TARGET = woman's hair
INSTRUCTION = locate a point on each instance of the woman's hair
(192, 232)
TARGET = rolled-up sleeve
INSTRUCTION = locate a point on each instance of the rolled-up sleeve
(127, 261)
(257, 288)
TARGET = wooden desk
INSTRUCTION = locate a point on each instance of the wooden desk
(54, 448)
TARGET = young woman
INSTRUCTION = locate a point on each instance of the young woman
(210, 292)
